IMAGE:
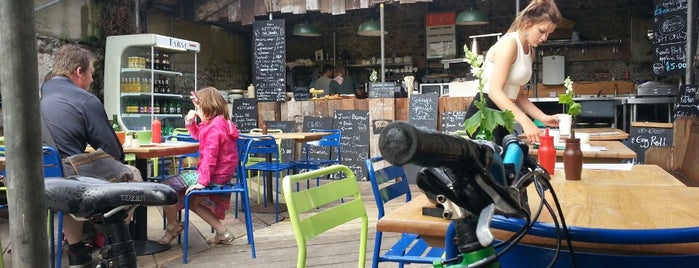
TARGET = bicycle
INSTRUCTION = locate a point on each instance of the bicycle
(472, 180)
(107, 205)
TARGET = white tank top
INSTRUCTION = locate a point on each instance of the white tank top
(520, 72)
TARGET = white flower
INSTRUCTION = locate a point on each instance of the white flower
(568, 84)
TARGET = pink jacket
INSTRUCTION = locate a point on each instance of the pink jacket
(218, 150)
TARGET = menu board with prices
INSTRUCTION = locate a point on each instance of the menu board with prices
(269, 48)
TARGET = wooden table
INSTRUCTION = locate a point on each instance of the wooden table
(299, 138)
(606, 200)
(142, 245)
(599, 134)
(615, 152)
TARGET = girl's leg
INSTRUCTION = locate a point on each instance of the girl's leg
(206, 214)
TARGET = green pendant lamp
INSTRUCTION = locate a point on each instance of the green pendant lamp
(306, 29)
(370, 28)
(472, 16)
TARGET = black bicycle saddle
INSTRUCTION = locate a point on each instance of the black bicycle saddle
(85, 196)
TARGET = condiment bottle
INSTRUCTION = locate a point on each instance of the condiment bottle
(156, 128)
(264, 128)
(572, 158)
(547, 152)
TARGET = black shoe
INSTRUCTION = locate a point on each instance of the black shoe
(79, 259)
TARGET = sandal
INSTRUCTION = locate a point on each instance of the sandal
(171, 232)
(225, 238)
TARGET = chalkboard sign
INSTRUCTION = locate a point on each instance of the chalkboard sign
(302, 94)
(670, 37)
(311, 122)
(383, 89)
(245, 114)
(687, 103)
(453, 121)
(355, 139)
(422, 110)
(645, 135)
(287, 145)
(269, 49)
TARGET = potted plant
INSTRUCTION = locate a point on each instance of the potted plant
(572, 108)
(486, 119)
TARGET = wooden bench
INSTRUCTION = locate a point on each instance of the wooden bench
(682, 159)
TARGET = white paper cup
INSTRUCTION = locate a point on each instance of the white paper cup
(564, 123)
(584, 137)
(556, 136)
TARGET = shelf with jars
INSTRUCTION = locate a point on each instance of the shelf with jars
(149, 76)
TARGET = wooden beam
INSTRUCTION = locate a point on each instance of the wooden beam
(313, 5)
(292, 6)
(246, 18)
(337, 7)
(204, 11)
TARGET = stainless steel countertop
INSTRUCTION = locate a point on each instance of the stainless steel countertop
(621, 100)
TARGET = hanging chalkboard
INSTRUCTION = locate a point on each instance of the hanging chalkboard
(245, 114)
(302, 94)
(383, 89)
(269, 49)
(355, 139)
(453, 121)
(687, 103)
(422, 110)
(644, 135)
(287, 145)
(670, 37)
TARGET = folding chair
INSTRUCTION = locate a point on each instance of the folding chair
(238, 185)
(326, 210)
(388, 182)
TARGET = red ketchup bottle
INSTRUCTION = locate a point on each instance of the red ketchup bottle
(156, 128)
(547, 152)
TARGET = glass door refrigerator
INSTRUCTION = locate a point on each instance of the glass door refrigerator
(148, 76)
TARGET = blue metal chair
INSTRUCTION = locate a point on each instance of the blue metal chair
(389, 182)
(237, 186)
(266, 145)
(330, 142)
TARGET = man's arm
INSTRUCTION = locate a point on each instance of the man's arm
(100, 134)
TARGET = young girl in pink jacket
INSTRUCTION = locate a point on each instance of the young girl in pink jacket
(218, 159)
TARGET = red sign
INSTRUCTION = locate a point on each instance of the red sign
(439, 19)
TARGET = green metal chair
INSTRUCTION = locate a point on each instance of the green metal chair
(326, 210)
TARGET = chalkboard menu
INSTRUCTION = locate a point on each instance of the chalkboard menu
(687, 103)
(269, 48)
(645, 135)
(422, 110)
(287, 145)
(383, 89)
(670, 37)
(302, 94)
(311, 122)
(245, 114)
(355, 139)
(453, 121)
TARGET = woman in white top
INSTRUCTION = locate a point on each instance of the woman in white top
(508, 67)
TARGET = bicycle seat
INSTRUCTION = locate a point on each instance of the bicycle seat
(85, 196)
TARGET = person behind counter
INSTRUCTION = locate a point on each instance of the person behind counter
(326, 77)
(508, 66)
(342, 83)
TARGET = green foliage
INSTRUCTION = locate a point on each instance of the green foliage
(572, 108)
(486, 119)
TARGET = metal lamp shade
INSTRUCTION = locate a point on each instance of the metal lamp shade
(370, 28)
(305, 29)
(472, 16)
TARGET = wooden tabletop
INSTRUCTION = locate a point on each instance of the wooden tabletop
(614, 153)
(163, 149)
(600, 134)
(608, 199)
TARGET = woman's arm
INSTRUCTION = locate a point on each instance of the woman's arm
(504, 54)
